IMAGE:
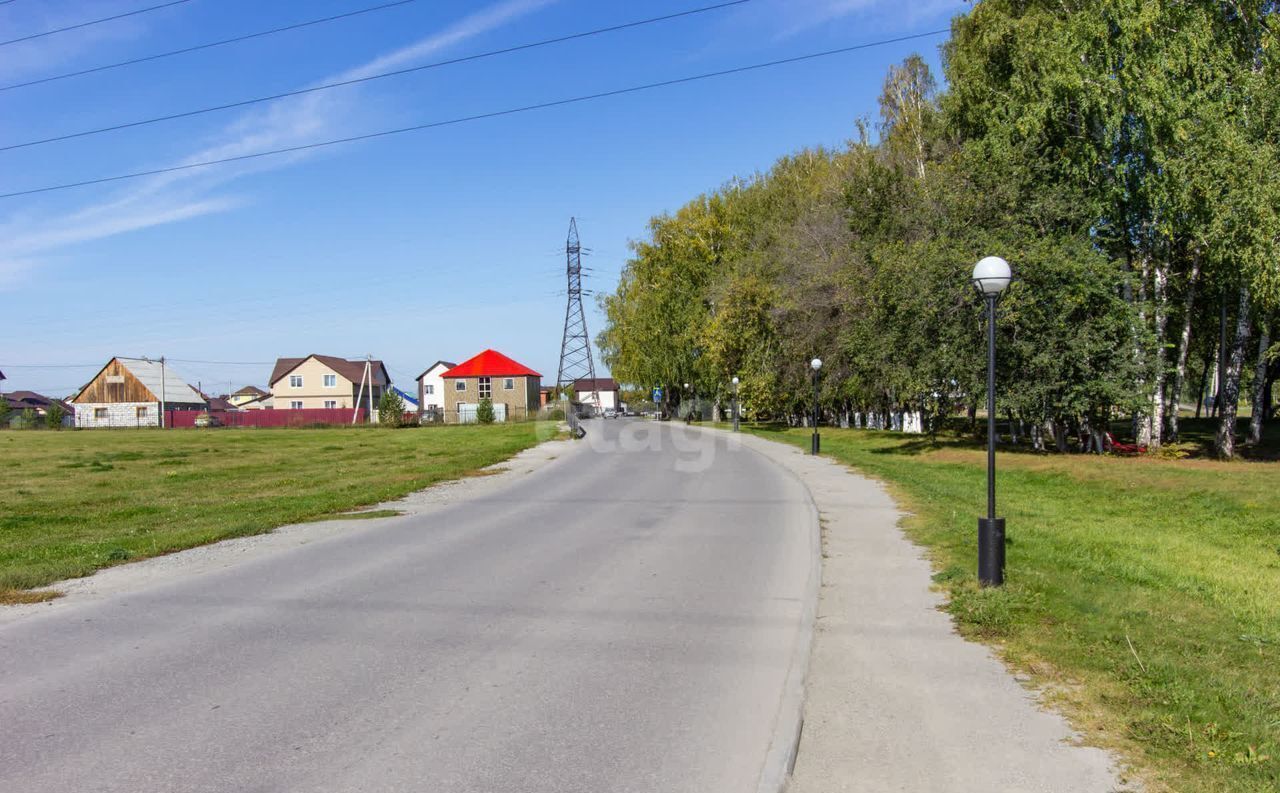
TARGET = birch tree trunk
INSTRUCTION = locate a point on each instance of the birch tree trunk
(1230, 397)
(1259, 405)
(1141, 421)
(1174, 399)
(1160, 314)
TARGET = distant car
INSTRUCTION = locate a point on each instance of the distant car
(610, 413)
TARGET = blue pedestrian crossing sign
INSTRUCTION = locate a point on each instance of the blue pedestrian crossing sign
(657, 395)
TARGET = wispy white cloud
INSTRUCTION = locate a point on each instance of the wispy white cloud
(37, 57)
(183, 195)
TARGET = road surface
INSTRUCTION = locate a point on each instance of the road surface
(622, 619)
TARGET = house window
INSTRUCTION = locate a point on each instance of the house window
(428, 389)
(295, 381)
(100, 413)
(486, 388)
(460, 385)
(509, 383)
(330, 380)
(295, 404)
(141, 412)
(330, 404)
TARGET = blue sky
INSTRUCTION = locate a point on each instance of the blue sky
(428, 245)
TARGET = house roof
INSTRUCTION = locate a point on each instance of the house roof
(410, 400)
(262, 400)
(598, 384)
(490, 363)
(427, 371)
(20, 400)
(152, 374)
(352, 370)
(221, 403)
(251, 390)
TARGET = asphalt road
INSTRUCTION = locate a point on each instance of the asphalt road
(622, 619)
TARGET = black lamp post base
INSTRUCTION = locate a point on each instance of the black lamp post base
(815, 445)
(991, 551)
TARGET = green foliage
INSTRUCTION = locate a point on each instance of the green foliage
(5, 412)
(1117, 152)
(28, 420)
(390, 409)
(53, 417)
(484, 411)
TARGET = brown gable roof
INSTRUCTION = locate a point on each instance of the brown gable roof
(251, 390)
(352, 370)
(599, 384)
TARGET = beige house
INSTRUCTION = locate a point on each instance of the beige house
(250, 393)
(512, 387)
(325, 381)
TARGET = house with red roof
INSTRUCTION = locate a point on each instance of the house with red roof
(511, 386)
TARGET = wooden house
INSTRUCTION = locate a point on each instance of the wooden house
(132, 392)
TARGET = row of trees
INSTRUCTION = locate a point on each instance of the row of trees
(1121, 154)
(29, 419)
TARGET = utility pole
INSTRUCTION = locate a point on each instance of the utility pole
(368, 368)
(162, 390)
(575, 348)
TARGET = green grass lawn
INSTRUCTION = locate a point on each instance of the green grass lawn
(73, 502)
(1144, 594)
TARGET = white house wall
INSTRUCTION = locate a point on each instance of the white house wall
(119, 415)
(435, 399)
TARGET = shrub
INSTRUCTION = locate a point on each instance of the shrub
(390, 409)
(28, 420)
(54, 416)
(4, 412)
(484, 411)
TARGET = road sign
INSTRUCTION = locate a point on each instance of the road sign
(657, 395)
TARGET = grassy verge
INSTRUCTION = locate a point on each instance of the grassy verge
(1143, 594)
(74, 502)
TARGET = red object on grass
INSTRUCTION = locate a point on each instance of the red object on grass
(1117, 447)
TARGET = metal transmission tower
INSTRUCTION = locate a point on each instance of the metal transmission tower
(575, 349)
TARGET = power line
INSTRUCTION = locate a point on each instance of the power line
(223, 363)
(465, 119)
(93, 22)
(370, 78)
(51, 365)
(209, 45)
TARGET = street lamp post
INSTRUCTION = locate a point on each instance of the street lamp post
(735, 403)
(991, 275)
(816, 445)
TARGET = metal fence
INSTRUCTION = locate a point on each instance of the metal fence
(466, 414)
(309, 417)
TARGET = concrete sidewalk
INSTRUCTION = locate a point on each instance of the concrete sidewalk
(896, 700)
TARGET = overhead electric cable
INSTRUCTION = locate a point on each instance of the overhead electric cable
(477, 117)
(369, 78)
(208, 45)
(92, 22)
